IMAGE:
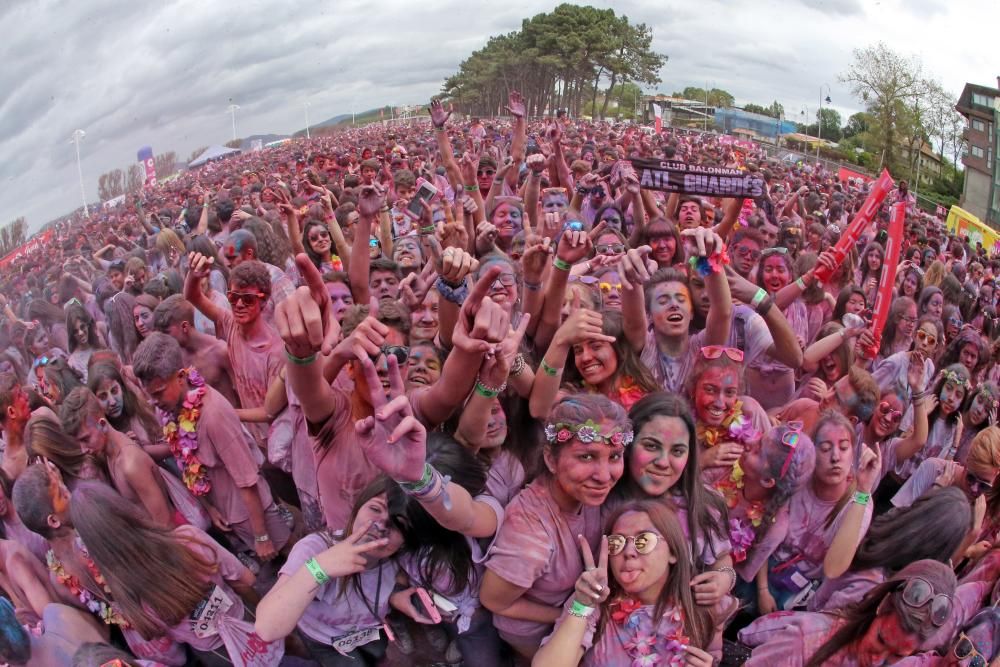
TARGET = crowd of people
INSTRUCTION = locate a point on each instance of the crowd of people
(467, 392)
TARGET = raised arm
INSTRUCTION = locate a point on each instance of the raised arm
(785, 347)
(923, 404)
(515, 105)
(294, 231)
(845, 543)
(708, 247)
(200, 267)
(370, 202)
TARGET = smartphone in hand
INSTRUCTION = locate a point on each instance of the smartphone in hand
(425, 192)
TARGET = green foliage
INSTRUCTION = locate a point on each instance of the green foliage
(557, 60)
(774, 111)
(716, 97)
(12, 235)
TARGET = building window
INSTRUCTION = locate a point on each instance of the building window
(984, 100)
(978, 125)
(978, 152)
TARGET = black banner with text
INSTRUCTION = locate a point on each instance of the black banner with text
(693, 179)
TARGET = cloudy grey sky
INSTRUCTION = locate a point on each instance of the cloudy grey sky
(162, 73)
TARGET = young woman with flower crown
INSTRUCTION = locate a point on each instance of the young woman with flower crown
(633, 605)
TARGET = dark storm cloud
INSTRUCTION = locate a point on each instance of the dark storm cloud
(162, 73)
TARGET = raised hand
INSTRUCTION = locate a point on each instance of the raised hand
(439, 115)
(536, 252)
(633, 268)
(371, 200)
(573, 246)
(486, 237)
(581, 325)
(348, 557)
(704, 241)
(305, 318)
(515, 104)
(200, 265)
(392, 438)
(592, 585)
(481, 322)
(869, 468)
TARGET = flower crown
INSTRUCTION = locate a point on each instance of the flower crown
(955, 378)
(588, 431)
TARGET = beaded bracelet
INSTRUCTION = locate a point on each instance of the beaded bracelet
(518, 366)
(300, 361)
(560, 264)
(487, 391)
(732, 574)
(548, 370)
(317, 572)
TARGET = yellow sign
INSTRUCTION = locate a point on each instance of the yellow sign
(963, 223)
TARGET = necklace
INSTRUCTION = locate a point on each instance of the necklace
(660, 644)
(742, 532)
(181, 433)
(95, 604)
(735, 427)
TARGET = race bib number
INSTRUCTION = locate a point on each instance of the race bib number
(205, 617)
(347, 643)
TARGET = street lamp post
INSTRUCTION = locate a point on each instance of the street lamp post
(819, 118)
(77, 136)
(305, 105)
(232, 112)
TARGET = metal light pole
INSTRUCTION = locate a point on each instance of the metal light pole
(77, 136)
(305, 105)
(819, 118)
(232, 112)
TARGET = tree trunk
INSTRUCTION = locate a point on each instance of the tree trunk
(607, 95)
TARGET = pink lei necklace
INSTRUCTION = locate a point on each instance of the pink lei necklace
(181, 433)
(660, 645)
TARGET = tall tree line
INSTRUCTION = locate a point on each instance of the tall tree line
(564, 59)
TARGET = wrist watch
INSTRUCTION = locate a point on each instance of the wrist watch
(262, 538)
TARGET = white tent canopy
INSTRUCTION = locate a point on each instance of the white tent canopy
(212, 153)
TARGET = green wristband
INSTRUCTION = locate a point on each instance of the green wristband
(471, 188)
(561, 265)
(317, 572)
(483, 390)
(422, 483)
(548, 370)
(580, 609)
(801, 284)
(300, 361)
(862, 498)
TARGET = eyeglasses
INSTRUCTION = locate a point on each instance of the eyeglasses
(976, 484)
(322, 234)
(908, 319)
(954, 321)
(644, 542)
(918, 593)
(661, 240)
(925, 337)
(966, 649)
(506, 279)
(610, 249)
(747, 253)
(586, 280)
(246, 298)
(790, 439)
(401, 352)
(41, 361)
(773, 251)
(716, 351)
(374, 243)
(486, 172)
(607, 287)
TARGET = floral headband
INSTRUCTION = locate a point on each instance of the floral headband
(589, 431)
(954, 378)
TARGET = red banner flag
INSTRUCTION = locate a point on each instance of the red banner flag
(864, 217)
(893, 248)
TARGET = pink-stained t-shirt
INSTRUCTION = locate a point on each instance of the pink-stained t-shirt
(671, 373)
(224, 449)
(342, 470)
(230, 569)
(536, 548)
(790, 639)
(255, 364)
(919, 483)
(331, 614)
(506, 477)
(940, 444)
(848, 588)
(707, 547)
(613, 647)
(808, 537)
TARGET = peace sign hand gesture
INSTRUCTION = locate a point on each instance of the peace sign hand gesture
(348, 557)
(392, 439)
(592, 585)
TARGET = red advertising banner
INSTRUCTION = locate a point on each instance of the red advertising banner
(864, 217)
(29, 248)
(844, 173)
(893, 249)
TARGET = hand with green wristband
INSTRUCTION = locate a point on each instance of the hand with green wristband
(592, 584)
(344, 558)
(392, 439)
